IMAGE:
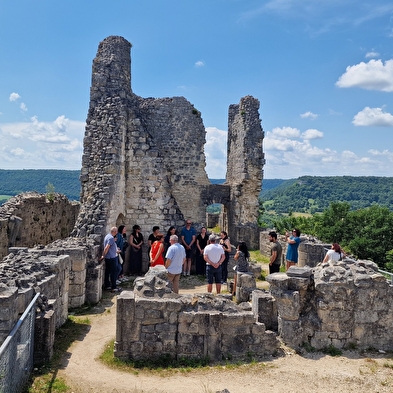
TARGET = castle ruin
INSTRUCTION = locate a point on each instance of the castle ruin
(144, 163)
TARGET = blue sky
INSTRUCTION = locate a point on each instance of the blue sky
(321, 69)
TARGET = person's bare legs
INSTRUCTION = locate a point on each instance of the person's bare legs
(210, 288)
(289, 264)
(234, 284)
(218, 288)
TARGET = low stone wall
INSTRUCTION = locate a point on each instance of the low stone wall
(65, 273)
(153, 321)
(344, 304)
(31, 218)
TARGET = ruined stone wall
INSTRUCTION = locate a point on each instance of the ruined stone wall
(152, 321)
(245, 161)
(143, 160)
(64, 272)
(30, 218)
(344, 304)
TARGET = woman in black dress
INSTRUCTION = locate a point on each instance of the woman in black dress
(135, 247)
(201, 242)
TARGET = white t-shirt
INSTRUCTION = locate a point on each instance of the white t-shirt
(334, 256)
(214, 252)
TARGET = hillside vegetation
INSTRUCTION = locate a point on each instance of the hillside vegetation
(14, 182)
(312, 194)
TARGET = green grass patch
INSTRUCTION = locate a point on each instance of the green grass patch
(332, 351)
(158, 363)
(45, 378)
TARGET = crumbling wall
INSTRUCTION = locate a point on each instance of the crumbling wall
(153, 321)
(64, 273)
(343, 304)
(31, 218)
(245, 161)
(143, 161)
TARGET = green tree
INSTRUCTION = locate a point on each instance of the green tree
(50, 192)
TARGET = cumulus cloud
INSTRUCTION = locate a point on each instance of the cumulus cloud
(14, 97)
(294, 156)
(23, 107)
(199, 63)
(373, 117)
(312, 134)
(216, 152)
(287, 132)
(41, 145)
(309, 115)
(374, 75)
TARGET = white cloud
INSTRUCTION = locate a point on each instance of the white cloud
(373, 117)
(312, 134)
(309, 115)
(14, 97)
(23, 107)
(373, 75)
(18, 152)
(41, 145)
(372, 54)
(216, 152)
(291, 157)
(287, 132)
(199, 63)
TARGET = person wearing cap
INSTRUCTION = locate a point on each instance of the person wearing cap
(214, 256)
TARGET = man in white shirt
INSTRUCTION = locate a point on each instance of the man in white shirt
(175, 259)
(214, 256)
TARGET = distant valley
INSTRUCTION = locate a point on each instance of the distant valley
(308, 194)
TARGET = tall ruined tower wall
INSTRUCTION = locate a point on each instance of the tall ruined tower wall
(144, 161)
(245, 161)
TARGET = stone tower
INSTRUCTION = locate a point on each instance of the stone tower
(144, 163)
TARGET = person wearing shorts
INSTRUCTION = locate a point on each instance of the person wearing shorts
(214, 256)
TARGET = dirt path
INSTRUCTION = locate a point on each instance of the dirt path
(291, 373)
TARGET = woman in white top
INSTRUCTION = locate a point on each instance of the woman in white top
(335, 254)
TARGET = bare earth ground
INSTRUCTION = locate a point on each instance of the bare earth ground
(290, 373)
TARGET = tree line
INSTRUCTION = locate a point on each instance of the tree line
(365, 233)
(14, 182)
(313, 194)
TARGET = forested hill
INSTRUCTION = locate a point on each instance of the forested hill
(312, 194)
(308, 194)
(13, 182)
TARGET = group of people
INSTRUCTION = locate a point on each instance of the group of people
(291, 258)
(124, 256)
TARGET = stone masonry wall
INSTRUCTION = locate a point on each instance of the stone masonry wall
(153, 321)
(343, 304)
(30, 218)
(64, 273)
(143, 160)
(245, 161)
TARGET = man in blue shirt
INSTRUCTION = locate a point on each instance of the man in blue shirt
(110, 254)
(188, 237)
